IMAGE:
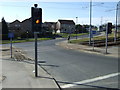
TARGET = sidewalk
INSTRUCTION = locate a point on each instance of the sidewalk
(20, 74)
(112, 50)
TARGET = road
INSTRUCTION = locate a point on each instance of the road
(71, 67)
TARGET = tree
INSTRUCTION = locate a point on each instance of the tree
(81, 29)
(4, 30)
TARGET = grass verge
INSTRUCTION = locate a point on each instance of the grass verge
(65, 35)
(98, 40)
(26, 40)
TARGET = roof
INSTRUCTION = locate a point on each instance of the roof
(66, 21)
(49, 22)
(29, 19)
(16, 21)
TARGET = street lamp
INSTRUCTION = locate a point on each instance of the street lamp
(90, 27)
(115, 33)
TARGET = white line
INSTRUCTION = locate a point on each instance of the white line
(91, 80)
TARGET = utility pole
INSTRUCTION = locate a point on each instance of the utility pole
(90, 27)
(115, 33)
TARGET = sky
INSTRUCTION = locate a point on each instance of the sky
(102, 11)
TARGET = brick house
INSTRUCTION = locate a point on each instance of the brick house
(65, 26)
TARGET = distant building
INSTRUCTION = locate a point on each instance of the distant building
(50, 26)
(65, 26)
(24, 28)
(26, 25)
(15, 27)
(21, 29)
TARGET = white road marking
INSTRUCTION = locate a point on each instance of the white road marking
(91, 80)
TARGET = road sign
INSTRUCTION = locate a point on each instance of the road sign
(94, 32)
(10, 35)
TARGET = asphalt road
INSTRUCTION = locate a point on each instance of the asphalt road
(69, 67)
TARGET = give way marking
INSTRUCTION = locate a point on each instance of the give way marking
(91, 80)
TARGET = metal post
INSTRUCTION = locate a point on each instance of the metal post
(76, 28)
(11, 46)
(90, 22)
(36, 71)
(106, 44)
(115, 33)
(93, 44)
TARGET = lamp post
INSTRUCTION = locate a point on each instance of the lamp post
(115, 33)
(90, 27)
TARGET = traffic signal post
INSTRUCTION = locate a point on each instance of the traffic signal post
(108, 31)
(36, 60)
(36, 28)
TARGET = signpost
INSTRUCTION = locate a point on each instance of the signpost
(10, 35)
(92, 36)
(106, 44)
(36, 28)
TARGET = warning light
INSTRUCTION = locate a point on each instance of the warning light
(37, 21)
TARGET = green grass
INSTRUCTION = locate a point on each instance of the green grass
(65, 35)
(26, 40)
(98, 38)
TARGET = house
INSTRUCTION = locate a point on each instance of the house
(26, 25)
(21, 29)
(50, 26)
(65, 26)
(15, 27)
(24, 29)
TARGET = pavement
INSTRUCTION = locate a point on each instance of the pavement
(18, 72)
(112, 51)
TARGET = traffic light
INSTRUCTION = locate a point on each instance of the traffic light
(36, 19)
(109, 28)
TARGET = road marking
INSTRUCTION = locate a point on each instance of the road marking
(91, 80)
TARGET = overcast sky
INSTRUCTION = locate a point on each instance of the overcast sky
(102, 11)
